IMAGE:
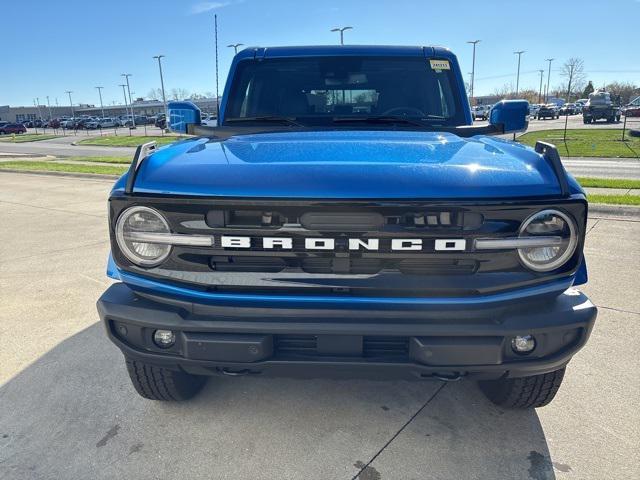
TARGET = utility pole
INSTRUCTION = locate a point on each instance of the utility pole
(519, 53)
(341, 30)
(164, 98)
(124, 94)
(37, 102)
(546, 97)
(100, 93)
(49, 105)
(473, 66)
(133, 117)
(235, 47)
(73, 113)
(540, 92)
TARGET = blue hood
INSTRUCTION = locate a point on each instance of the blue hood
(349, 165)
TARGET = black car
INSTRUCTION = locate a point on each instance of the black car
(548, 111)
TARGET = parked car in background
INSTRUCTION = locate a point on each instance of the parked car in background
(209, 120)
(568, 109)
(481, 111)
(161, 121)
(533, 110)
(67, 124)
(631, 111)
(547, 111)
(13, 128)
(28, 123)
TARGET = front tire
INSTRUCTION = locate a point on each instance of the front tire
(157, 383)
(526, 392)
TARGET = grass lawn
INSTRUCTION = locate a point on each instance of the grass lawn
(615, 199)
(102, 159)
(26, 137)
(127, 141)
(608, 182)
(63, 167)
(597, 142)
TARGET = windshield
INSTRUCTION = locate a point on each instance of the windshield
(317, 90)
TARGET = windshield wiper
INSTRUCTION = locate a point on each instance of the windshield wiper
(265, 119)
(381, 119)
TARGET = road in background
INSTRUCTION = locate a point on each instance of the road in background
(68, 410)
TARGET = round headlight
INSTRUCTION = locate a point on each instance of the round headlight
(131, 225)
(562, 234)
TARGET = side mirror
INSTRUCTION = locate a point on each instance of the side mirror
(510, 116)
(182, 115)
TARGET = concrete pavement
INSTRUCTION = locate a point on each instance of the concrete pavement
(68, 411)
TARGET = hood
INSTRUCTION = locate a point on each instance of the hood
(349, 165)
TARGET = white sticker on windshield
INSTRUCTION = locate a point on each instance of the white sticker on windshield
(440, 64)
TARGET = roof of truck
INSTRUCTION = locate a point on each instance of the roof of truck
(324, 50)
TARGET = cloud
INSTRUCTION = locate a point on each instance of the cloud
(203, 7)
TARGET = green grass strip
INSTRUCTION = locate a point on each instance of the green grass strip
(615, 199)
(22, 138)
(127, 141)
(101, 159)
(594, 142)
(63, 167)
(608, 182)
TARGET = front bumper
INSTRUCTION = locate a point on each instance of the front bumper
(431, 342)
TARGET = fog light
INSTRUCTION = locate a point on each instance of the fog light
(164, 338)
(523, 343)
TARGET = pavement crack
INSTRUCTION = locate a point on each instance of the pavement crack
(363, 467)
(620, 310)
(52, 209)
(593, 226)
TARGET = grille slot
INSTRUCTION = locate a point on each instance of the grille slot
(372, 346)
(247, 264)
(378, 346)
(429, 266)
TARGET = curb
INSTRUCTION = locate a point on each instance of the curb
(623, 212)
(101, 176)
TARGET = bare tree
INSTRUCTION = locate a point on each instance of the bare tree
(573, 73)
(626, 90)
(179, 93)
(155, 94)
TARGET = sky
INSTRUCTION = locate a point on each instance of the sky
(54, 46)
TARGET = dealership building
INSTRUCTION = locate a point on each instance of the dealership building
(139, 107)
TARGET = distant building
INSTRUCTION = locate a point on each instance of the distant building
(140, 107)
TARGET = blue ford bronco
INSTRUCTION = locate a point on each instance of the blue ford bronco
(347, 218)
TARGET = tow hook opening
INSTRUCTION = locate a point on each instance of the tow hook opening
(236, 373)
(445, 377)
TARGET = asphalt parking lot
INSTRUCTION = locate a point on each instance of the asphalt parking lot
(68, 411)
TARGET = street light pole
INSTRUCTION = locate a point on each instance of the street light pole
(73, 113)
(546, 97)
(519, 53)
(235, 47)
(100, 94)
(164, 98)
(473, 65)
(540, 91)
(37, 102)
(133, 117)
(341, 30)
(124, 94)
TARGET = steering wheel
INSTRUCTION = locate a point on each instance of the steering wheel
(404, 109)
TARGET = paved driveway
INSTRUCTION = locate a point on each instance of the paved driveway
(68, 411)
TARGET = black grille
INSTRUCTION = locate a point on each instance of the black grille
(373, 347)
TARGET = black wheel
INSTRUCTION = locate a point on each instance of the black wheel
(526, 392)
(157, 383)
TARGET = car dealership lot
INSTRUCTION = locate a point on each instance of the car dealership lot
(67, 409)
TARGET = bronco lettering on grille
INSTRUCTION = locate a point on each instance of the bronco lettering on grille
(352, 244)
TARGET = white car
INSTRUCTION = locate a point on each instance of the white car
(208, 120)
(481, 111)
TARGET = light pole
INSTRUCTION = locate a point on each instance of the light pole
(49, 106)
(540, 92)
(235, 47)
(519, 53)
(73, 113)
(133, 117)
(100, 94)
(546, 96)
(124, 94)
(37, 102)
(473, 65)
(341, 30)
(164, 98)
